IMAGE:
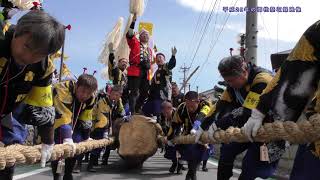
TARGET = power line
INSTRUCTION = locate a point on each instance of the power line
(215, 21)
(278, 30)
(266, 45)
(195, 30)
(204, 33)
(215, 42)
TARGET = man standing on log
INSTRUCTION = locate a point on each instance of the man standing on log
(160, 89)
(25, 81)
(140, 59)
(74, 103)
(189, 116)
(245, 83)
(117, 71)
(288, 94)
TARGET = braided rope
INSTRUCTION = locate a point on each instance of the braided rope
(20, 154)
(299, 133)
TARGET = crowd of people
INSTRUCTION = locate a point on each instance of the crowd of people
(73, 111)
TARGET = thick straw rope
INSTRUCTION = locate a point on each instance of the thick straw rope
(20, 154)
(299, 133)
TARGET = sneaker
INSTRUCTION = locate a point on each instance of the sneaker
(173, 168)
(204, 169)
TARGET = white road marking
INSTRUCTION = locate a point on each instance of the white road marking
(31, 173)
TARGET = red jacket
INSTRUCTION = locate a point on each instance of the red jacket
(134, 57)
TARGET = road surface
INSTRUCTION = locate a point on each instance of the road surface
(155, 168)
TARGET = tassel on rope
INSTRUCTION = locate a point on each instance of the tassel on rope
(62, 53)
(84, 70)
(231, 49)
(68, 27)
(36, 5)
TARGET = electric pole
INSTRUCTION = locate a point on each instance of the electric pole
(251, 31)
(186, 80)
(184, 70)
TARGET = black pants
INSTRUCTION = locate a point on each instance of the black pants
(69, 165)
(138, 92)
(106, 155)
(192, 170)
(125, 95)
(204, 163)
(7, 173)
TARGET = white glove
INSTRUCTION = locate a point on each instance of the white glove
(198, 134)
(46, 151)
(170, 143)
(193, 131)
(89, 139)
(174, 51)
(211, 130)
(70, 142)
(105, 135)
(110, 47)
(127, 118)
(253, 124)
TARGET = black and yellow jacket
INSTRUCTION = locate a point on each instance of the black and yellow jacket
(68, 107)
(177, 100)
(4, 26)
(105, 110)
(101, 114)
(235, 105)
(182, 118)
(29, 84)
(161, 79)
(165, 123)
(117, 76)
(296, 82)
(314, 108)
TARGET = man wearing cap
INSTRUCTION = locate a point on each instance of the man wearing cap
(189, 116)
(245, 83)
(160, 89)
(140, 58)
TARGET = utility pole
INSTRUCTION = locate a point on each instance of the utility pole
(197, 89)
(189, 87)
(251, 31)
(189, 77)
(184, 70)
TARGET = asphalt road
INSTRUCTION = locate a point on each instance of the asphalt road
(154, 168)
